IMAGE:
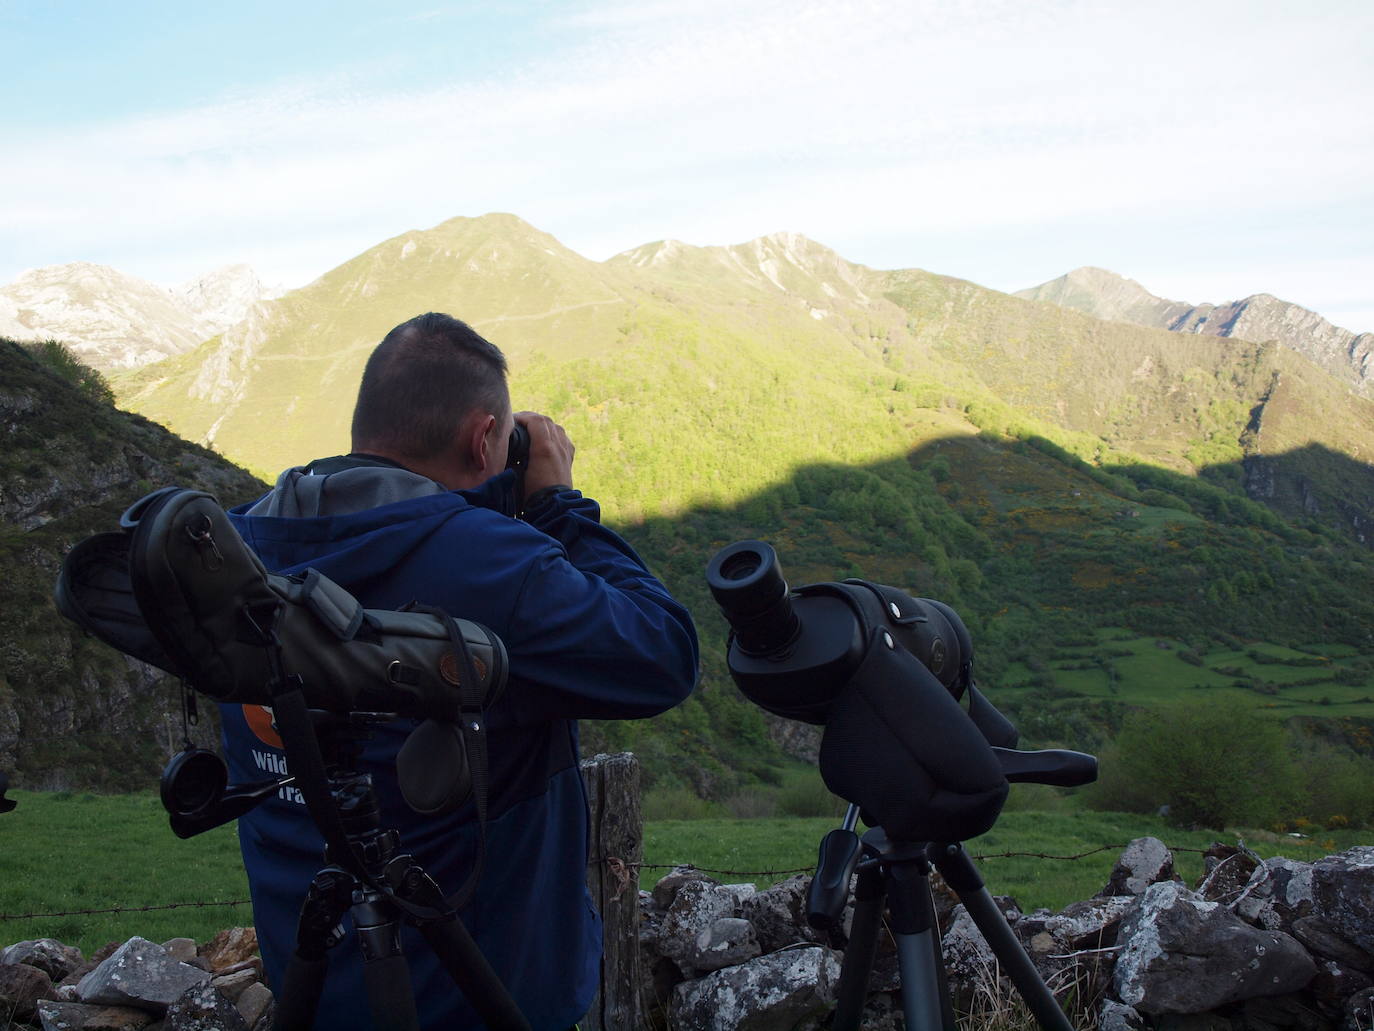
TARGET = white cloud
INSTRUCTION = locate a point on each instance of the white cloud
(846, 121)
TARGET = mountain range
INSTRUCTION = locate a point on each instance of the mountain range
(113, 320)
(1347, 356)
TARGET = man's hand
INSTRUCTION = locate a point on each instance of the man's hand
(551, 453)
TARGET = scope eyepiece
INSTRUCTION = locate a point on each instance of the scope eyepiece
(746, 581)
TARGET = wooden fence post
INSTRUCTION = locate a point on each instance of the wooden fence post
(617, 833)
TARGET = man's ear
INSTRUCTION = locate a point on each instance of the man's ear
(479, 440)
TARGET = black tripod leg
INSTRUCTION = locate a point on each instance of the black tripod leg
(473, 974)
(961, 875)
(385, 970)
(918, 947)
(317, 930)
(870, 895)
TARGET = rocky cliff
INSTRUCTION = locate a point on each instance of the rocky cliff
(73, 712)
(1260, 317)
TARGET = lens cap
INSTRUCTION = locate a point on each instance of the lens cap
(193, 782)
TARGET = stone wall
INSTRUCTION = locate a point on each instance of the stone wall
(1254, 945)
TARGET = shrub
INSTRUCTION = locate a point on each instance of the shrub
(675, 803)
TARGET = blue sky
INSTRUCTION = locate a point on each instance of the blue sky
(1209, 149)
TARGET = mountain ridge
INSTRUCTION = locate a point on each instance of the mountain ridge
(1104, 294)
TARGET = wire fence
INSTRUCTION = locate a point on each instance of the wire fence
(619, 866)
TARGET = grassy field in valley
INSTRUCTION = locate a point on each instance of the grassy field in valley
(62, 852)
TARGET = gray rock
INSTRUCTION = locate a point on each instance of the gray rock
(47, 954)
(1343, 894)
(665, 891)
(21, 987)
(1283, 1013)
(1335, 983)
(1116, 1016)
(78, 1016)
(1092, 923)
(696, 906)
(966, 952)
(742, 892)
(253, 1003)
(234, 984)
(769, 992)
(1321, 939)
(204, 1007)
(1278, 892)
(183, 950)
(1145, 861)
(779, 914)
(139, 973)
(727, 942)
(1229, 870)
(1183, 954)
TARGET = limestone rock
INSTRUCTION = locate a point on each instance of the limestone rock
(1322, 940)
(779, 914)
(234, 984)
(183, 950)
(235, 945)
(1343, 894)
(666, 889)
(1278, 892)
(966, 952)
(1145, 861)
(1184, 954)
(47, 954)
(204, 1008)
(696, 906)
(1359, 1011)
(139, 973)
(1229, 870)
(727, 942)
(254, 1002)
(775, 991)
(21, 988)
(1116, 1016)
(78, 1016)
(1092, 923)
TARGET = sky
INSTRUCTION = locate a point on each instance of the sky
(1208, 149)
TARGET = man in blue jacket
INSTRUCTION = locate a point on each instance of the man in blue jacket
(421, 511)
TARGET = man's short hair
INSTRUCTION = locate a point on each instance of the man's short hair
(422, 380)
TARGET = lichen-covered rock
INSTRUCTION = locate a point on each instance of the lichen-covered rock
(1359, 1011)
(966, 952)
(726, 943)
(1116, 1016)
(1343, 894)
(204, 1008)
(1145, 861)
(767, 993)
(47, 954)
(1092, 923)
(1278, 892)
(779, 914)
(1228, 871)
(79, 1016)
(1323, 941)
(1183, 954)
(666, 889)
(139, 973)
(696, 906)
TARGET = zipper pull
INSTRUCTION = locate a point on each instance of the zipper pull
(198, 529)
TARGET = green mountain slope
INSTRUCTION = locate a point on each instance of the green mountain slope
(73, 712)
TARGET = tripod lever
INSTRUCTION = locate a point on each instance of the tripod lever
(840, 852)
(1056, 766)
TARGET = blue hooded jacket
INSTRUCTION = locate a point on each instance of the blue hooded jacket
(590, 634)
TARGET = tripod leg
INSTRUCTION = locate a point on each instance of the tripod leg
(961, 875)
(470, 970)
(385, 970)
(317, 931)
(918, 947)
(869, 897)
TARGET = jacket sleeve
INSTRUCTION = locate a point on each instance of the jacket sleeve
(593, 634)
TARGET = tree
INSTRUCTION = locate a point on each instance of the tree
(1213, 764)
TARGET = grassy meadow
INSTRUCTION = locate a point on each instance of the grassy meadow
(64, 852)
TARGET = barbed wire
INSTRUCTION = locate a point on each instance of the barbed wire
(614, 863)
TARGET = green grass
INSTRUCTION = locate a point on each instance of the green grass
(64, 852)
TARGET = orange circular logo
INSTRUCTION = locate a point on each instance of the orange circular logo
(260, 722)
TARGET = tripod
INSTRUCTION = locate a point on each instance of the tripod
(893, 876)
(381, 887)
